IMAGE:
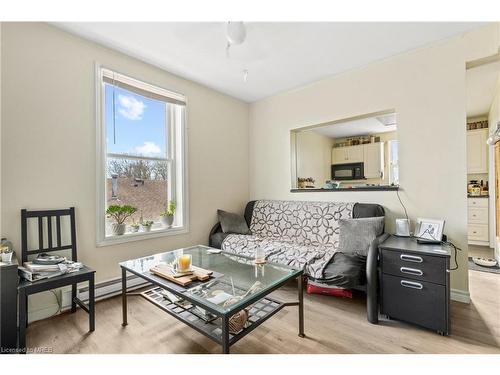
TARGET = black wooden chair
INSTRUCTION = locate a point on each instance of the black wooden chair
(84, 274)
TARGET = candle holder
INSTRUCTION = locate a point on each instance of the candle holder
(259, 256)
(184, 263)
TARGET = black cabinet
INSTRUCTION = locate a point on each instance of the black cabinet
(415, 283)
(8, 307)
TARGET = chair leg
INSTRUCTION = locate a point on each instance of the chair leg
(26, 304)
(91, 304)
(73, 296)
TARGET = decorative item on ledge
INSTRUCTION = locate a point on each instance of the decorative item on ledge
(167, 216)
(477, 125)
(306, 183)
(146, 225)
(119, 214)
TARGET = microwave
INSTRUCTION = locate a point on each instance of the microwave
(351, 171)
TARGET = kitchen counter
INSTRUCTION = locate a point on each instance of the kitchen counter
(358, 188)
(477, 196)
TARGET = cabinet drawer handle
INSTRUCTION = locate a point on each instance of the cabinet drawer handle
(411, 284)
(411, 258)
(411, 271)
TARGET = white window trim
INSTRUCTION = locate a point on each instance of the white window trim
(101, 238)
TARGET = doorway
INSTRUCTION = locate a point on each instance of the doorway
(483, 164)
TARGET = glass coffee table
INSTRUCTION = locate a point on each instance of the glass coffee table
(209, 307)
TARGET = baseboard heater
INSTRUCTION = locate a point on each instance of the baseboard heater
(107, 289)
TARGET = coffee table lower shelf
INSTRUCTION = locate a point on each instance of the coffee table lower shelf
(258, 313)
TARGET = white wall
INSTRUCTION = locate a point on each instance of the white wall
(314, 156)
(426, 88)
(1, 233)
(49, 140)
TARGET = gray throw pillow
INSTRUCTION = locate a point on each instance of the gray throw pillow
(356, 235)
(232, 223)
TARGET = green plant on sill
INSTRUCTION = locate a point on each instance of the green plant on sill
(170, 210)
(147, 223)
(120, 213)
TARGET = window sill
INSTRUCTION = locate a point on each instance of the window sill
(138, 236)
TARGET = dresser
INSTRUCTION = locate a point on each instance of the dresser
(415, 283)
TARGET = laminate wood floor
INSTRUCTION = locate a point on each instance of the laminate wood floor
(332, 325)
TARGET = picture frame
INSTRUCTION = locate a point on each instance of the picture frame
(429, 229)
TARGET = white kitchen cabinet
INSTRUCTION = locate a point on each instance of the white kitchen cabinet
(477, 221)
(477, 151)
(349, 154)
(373, 158)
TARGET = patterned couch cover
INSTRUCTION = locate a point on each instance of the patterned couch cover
(300, 234)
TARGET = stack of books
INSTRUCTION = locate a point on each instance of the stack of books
(45, 268)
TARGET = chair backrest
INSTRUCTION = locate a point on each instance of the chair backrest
(52, 245)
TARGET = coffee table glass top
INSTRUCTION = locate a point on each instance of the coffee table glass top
(235, 282)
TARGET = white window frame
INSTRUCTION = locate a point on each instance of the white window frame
(392, 164)
(177, 185)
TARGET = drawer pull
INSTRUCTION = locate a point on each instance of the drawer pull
(411, 258)
(411, 284)
(411, 271)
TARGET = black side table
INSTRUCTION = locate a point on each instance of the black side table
(8, 307)
(415, 283)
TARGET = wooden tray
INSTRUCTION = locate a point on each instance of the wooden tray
(165, 271)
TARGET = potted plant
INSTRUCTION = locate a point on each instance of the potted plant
(119, 214)
(146, 225)
(6, 252)
(134, 227)
(167, 216)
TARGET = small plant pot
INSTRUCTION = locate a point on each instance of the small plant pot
(134, 229)
(167, 221)
(7, 257)
(145, 228)
(118, 229)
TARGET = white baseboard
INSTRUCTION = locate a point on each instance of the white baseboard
(103, 290)
(460, 295)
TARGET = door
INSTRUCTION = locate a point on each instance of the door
(497, 189)
(373, 155)
(477, 151)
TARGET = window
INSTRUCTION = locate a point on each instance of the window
(141, 158)
(393, 163)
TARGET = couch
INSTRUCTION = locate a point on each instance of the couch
(306, 235)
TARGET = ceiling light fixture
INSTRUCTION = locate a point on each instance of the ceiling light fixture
(236, 33)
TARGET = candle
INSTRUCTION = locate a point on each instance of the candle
(184, 262)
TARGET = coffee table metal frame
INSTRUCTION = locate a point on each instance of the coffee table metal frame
(218, 332)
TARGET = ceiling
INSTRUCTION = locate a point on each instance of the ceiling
(278, 55)
(481, 85)
(366, 126)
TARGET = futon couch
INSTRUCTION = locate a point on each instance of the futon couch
(306, 235)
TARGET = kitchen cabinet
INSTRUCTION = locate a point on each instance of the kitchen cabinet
(478, 221)
(477, 151)
(373, 158)
(349, 154)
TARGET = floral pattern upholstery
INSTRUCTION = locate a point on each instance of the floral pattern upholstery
(295, 233)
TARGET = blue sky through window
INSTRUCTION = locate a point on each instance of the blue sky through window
(140, 124)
